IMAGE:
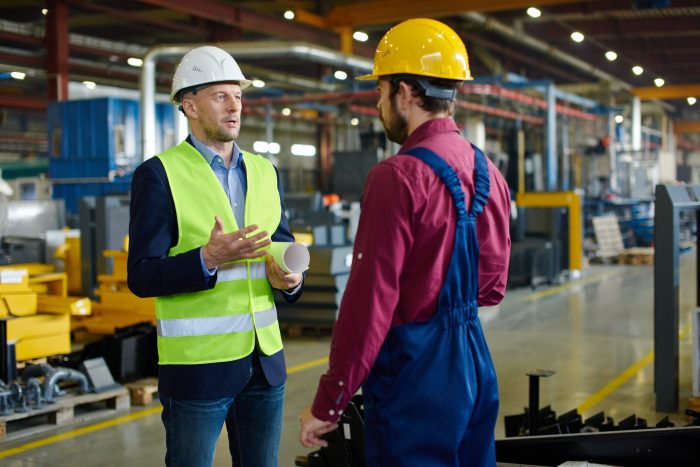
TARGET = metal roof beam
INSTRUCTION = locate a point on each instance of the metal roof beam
(249, 20)
(688, 126)
(677, 91)
(393, 11)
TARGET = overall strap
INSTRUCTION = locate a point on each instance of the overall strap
(482, 182)
(450, 178)
(447, 174)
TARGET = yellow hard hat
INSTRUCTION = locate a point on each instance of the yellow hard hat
(423, 47)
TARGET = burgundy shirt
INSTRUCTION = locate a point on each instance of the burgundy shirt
(402, 252)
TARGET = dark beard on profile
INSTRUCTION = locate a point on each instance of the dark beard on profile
(397, 129)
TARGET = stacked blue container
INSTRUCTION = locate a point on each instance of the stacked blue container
(95, 145)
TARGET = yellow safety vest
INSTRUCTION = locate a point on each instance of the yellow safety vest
(220, 324)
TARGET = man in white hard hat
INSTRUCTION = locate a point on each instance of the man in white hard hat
(201, 216)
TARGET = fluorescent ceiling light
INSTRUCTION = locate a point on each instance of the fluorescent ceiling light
(340, 74)
(619, 119)
(577, 36)
(637, 70)
(286, 111)
(133, 61)
(18, 75)
(305, 150)
(534, 12)
(289, 14)
(611, 55)
(273, 148)
(659, 82)
(258, 83)
(360, 36)
(260, 146)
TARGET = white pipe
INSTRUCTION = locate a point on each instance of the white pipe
(636, 124)
(240, 50)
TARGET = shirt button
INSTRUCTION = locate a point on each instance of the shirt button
(340, 412)
(331, 412)
(340, 383)
(359, 256)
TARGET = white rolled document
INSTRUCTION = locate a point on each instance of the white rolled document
(291, 257)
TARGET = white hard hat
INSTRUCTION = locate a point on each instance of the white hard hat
(205, 65)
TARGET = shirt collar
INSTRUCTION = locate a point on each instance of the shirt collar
(429, 128)
(209, 155)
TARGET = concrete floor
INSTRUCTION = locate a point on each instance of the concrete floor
(589, 331)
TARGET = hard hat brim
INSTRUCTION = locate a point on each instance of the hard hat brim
(243, 83)
(367, 77)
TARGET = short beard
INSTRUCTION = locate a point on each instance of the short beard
(397, 126)
(220, 135)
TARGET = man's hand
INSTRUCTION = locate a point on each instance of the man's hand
(312, 428)
(278, 278)
(224, 247)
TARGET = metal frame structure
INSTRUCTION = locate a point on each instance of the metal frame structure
(670, 201)
(564, 199)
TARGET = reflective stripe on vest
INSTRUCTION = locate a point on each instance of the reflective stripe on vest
(219, 324)
(215, 325)
(239, 271)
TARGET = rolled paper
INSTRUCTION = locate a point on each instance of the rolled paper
(291, 257)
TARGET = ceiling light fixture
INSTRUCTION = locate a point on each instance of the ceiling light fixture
(619, 119)
(637, 70)
(355, 121)
(18, 75)
(286, 111)
(134, 61)
(659, 82)
(289, 14)
(44, 11)
(305, 150)
(577, 36)
(692, 101)
(258, 83)
(340, 75)
(360, 36)
(89, 84)
(611, 55)
(534, 12)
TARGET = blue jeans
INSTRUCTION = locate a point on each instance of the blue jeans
(253, 420)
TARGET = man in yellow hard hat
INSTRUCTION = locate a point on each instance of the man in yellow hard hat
(432, 245)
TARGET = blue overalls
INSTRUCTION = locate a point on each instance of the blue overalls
(431, 398)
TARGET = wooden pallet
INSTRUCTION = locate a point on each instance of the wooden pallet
(637, 255)
(66, 409)
(143, 390)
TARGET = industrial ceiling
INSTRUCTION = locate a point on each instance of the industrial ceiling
(660, 36)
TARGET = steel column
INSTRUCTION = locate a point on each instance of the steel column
(551, 135)
(636, 124)
(56, 40)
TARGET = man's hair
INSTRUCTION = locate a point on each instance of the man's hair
(429, 104)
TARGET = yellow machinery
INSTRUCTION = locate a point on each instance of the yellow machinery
(36, 305)
(117, 306)
(564, 199)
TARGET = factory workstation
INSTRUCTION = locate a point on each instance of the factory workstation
(336, 233)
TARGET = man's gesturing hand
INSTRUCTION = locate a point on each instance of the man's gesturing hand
(224, 247)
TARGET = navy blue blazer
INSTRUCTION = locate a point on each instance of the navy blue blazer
(152, 273)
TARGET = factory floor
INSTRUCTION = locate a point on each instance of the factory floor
(596, 332)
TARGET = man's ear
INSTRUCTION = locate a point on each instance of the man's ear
(189, 108)
(405, 93)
